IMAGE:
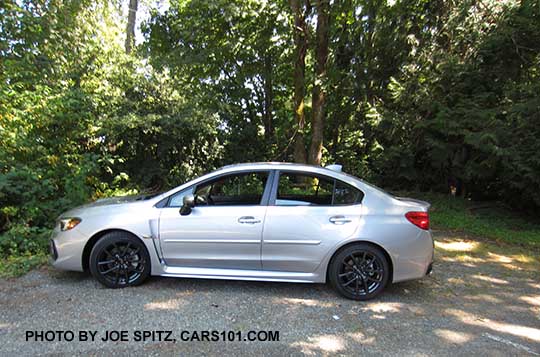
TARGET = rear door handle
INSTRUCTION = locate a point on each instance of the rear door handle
(248, 220)
(339, 219)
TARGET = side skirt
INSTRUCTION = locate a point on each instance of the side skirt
(238, 274)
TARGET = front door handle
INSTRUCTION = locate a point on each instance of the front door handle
(339, 219)
(248, 220)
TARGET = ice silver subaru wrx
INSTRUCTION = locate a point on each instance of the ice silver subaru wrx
(258, 221)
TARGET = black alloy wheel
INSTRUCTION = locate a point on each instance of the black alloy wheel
(119, 260)
(359, 272)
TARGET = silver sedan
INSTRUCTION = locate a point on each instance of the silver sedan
(258, 221)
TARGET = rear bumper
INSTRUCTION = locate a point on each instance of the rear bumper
(414, 260)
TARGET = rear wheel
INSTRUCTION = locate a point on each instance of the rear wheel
(359, 272)
(119, 260)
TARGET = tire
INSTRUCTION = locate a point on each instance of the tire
(359, 272)
(119, 260)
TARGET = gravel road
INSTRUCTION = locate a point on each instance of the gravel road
(482, 299)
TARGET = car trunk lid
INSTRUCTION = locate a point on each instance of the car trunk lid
(414, 202)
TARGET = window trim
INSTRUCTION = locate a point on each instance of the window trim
(277, 174)
(264, 199)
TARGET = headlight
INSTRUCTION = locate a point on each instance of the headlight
(69, 223)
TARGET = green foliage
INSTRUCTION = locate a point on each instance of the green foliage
(158, 138)
(80, 119)
(237, 64)
(492, 221)
(48, 152)
(458, 112)
(20, 264)
(23, 240)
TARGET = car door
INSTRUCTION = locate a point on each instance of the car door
(307, 216)
(224, 229)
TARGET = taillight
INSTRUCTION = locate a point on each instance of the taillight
(419, 219)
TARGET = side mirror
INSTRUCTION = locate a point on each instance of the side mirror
(189, 203)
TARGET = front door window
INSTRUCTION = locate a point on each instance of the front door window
(244, 189)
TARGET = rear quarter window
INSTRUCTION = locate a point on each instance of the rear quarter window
(345, 194)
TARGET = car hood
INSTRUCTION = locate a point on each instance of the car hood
(108, 205)
(114, 201)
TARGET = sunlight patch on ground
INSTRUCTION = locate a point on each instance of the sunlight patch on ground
(500, 258)
(379, 307)
(458, 246)
(512, 266)
(533, 300)
(172, 304)
(463, 258)
(514, 261)
(325, 343)
(456, 281)
(185, 293)
(534, 285)
(469, 251)
(453, 336)
(485, 297)
(473, 252)
(523, 258)
(361, 338)
(490, 279)
(416, 310)
(304, 302)
(526, 332)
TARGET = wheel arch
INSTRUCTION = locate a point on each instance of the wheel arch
(95, 238)
(379, 247)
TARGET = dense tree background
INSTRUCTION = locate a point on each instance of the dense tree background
(408, 94)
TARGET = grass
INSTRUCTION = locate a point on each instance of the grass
(17, 266)
(494, 222)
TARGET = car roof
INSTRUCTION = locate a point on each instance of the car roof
(277, 166)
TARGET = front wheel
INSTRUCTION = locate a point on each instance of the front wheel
(119, 260)
(359, 272)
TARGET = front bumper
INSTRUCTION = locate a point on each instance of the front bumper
(52, 250)
(66, 249)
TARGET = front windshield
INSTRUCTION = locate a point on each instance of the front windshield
(147, 196)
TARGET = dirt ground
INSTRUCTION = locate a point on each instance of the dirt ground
(482, 299)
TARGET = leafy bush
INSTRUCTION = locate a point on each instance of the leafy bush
(20, 264)
(21, 240)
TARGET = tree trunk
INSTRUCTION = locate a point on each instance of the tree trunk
(300, 43)
(268, 98)
(130, 30)
(319, 89)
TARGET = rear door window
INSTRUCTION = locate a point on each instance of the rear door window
(300, 189)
